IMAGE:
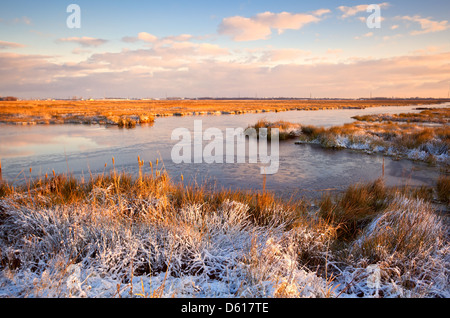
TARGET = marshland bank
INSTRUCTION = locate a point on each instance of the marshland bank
(423, 136)
(400, 136)
(135, 112)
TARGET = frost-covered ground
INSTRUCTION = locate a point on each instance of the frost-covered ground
(432, 151)
(429, 144)
(141, 246)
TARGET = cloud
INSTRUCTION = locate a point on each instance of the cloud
(21, 20)
(392, 37)
(157, 58)
(427, 25)
(150, 38)
(364, 19)
(186, 71)
(287, 54)
(24, 20)
(272, 57)
(244, 29)
(80, 51)
(211, 49)
(352, 11)
(84, 41)
(259, 27)
(428, 50)
(367, 35)
(10, 45)
(321, 12)
(129, 39)
(147, 37)
(179, 38)
(334, 51)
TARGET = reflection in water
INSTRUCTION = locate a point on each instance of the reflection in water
(304, 169)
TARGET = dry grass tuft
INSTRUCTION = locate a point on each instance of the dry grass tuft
(355, 208)
(408, 228)
(443, 189)
(286, 129)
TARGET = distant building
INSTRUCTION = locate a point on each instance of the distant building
(8, 99)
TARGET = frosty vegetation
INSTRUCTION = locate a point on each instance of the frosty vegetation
(423, 137)
(119, 236)
(410, 141)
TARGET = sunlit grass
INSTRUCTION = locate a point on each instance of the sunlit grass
(286, 130)
(437, 115)
(129, 113)
(355, 208)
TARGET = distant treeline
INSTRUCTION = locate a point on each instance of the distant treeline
(8, 99)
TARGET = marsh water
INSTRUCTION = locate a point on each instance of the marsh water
(305, 170)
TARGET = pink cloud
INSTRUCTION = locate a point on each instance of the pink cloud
(10, 45)
(211, 49)
(244, 29)
(147, 37)
(352, 11)
(21, 20)
(199, 70)
(260, 27)
(427, 25)
(84, 41)
(150, 38)
(366, 35)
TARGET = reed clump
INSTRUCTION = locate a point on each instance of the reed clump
(286, 130)
(355, 208)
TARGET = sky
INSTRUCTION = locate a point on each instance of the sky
(253, 48)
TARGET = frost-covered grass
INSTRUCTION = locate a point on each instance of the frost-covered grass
(429, 144)
(391, 135)
(409, 244)
(119, 236)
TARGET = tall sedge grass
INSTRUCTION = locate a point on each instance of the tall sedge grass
(407, 229)
(353, 209)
